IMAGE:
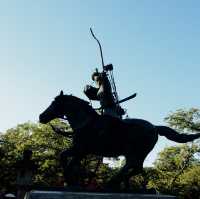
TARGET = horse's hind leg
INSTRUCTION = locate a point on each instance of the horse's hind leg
(135, 167)
(115, 182)
(132, 167)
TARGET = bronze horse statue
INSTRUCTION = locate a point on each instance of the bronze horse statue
(106, 136)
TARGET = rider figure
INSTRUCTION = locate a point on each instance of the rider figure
(103, 93)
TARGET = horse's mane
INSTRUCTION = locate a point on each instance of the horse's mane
(82, 103)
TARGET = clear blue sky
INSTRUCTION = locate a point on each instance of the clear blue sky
(46, 46)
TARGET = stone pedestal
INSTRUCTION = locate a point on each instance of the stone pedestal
(91, 195)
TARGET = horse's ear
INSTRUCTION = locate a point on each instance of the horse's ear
(61, 93)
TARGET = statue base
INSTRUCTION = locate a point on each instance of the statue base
(91, 195)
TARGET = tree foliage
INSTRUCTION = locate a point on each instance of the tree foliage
(45, 144)
(186, 120)
(176, 166)
(171, 164)
(190, 181)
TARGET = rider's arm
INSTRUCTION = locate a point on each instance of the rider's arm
(91, 92)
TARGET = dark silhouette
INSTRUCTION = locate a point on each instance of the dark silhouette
(26, 168)
(133, 138)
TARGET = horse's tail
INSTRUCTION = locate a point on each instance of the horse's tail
(175, 136)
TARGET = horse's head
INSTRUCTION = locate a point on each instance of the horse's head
(75, 109)
(55, 110)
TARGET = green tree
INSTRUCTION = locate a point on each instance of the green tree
(45, 144)
(185, 120)
(190, 181)
(175, 164)
(171, 163)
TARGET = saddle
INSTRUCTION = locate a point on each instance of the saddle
(106, 124)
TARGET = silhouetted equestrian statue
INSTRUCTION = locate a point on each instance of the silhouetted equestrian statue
(132, 138)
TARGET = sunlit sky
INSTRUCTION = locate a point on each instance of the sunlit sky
(46, 46)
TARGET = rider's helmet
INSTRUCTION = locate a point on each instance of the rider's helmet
(95, 74)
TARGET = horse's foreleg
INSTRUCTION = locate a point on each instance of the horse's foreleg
(71, 168)
(74, 171)
(64, 155)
